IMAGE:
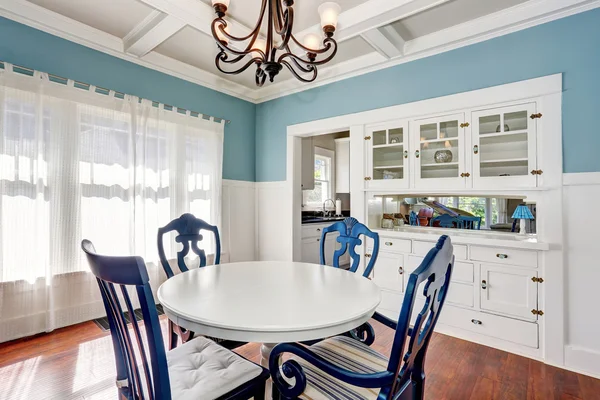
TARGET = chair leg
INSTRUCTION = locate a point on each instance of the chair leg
(418, 389)
(172, 336)
(259, 393)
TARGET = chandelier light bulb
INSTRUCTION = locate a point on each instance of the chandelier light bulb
(329, 13)
(312, 41)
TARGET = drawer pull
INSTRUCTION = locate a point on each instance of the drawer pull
(318, 240)
(400, 270)
(484, 284)
(318, 229)
(368, 255)
(389, 243)
(476, 321)
(502, 256)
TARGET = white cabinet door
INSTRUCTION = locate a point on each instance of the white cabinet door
(509, 291)
(438, 151)
(504, 147)
(388, 272)
(342, 165)
(387, 155)
(311, 249)
(308, 164)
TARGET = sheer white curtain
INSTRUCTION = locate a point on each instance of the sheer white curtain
(77, 164)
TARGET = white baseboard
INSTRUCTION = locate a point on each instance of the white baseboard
(582, 360)
(581, 178)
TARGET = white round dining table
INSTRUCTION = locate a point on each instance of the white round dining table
(269, 302)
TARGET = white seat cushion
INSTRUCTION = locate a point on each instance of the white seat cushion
(346, 353)
(201, 369)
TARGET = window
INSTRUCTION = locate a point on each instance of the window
(484, 207)
(324, 173)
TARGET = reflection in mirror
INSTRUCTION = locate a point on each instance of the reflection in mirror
(453, 212)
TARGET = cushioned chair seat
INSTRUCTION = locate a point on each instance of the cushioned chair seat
(201, 369)
(346, 353)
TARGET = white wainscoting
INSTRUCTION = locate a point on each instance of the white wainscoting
(274, 230)
(238, 221)
(581, 192)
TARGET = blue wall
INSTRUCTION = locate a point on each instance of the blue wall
(31, 48)
(570, 45)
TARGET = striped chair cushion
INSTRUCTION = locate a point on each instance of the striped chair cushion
(346, 353)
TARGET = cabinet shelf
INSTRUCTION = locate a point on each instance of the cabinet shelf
(389, 167)
(505, 160)
(383, 146)
(438, 165)
(450, 139)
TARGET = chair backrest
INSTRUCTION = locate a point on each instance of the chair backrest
(188, 228)
(435, 271)
(470, 222)
(148, 379)
(446, 221)
(349, 231)
(412, 218)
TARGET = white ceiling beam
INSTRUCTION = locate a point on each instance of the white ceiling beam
(56, 24)
(196, 14)
(371, 15)
(151, 32)
(376, 39)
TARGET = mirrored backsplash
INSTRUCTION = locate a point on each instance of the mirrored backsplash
(454, 212)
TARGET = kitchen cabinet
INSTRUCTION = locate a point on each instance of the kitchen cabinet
(439, 152)
(308, 164)
(386, 155)
(342, 165)
(504, 147)
(311, 245)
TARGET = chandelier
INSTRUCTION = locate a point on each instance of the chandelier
(270, 55)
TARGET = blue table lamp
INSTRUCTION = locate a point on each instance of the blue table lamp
(522, 212)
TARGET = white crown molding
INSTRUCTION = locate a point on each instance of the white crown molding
(56, 24)
(526, 15)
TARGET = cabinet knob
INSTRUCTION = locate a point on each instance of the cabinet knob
(476, 321)
(367, 178)
(484, 284)
(405, 153)
(502, 256)
(533, 172)
(318, 240)
(400, 270)
(389, 243)
(475, 149)
(318, 229)
(367, 255)
(417, 153)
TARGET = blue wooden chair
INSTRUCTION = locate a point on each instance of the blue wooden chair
(446, 221)
(413, 219)
(349, 231)
(188, 229)
(197, 369)
(470, 222)
(343, 368)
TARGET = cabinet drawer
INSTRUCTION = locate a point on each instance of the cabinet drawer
(499, 255)
(421, 248)
(315, 231)
(395, 245)
(512, 330)
(460, 294)
(463, 272)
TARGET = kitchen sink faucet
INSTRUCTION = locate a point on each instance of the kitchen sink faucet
(325, 212)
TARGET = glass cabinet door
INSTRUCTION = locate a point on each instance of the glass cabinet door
(439, 152)
(387, 152)
(504, 147)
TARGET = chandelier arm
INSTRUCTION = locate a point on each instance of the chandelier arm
(225, 46)
(286, 30)
(260, 77)
(300, 63)
(219, 58)
(300, 78)
(241, 39)
(317, 51)
(293, 56)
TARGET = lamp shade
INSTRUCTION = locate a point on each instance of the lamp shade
(522, 212)
(224, 2)
(329, 12)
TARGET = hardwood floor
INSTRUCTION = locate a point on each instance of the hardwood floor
(77, 363)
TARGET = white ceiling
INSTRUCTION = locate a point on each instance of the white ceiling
(173, 36)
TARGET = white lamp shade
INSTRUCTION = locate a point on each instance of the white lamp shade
(224, 2)
(329, 13)
(312, 41)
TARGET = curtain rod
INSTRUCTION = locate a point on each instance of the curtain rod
(107, 92)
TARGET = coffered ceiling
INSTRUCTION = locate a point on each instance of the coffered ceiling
(173, 36)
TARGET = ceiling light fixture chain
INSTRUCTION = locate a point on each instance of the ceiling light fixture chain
(234, 50)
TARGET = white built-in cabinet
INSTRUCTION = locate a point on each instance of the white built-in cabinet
(491, 148)
(311, 245)
(308, 164)
(493, 290)
(342, 165)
